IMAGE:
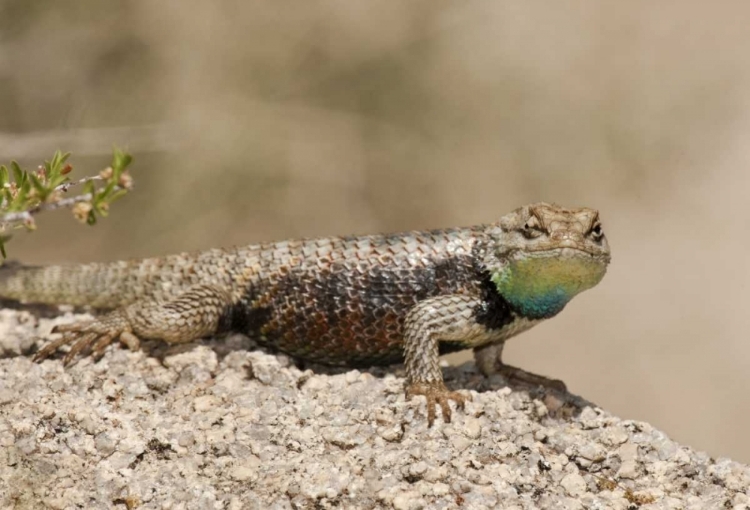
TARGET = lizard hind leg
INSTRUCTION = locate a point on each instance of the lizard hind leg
(190, 315)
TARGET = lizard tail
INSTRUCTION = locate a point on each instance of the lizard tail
(99, 285)
(11, 281)
(114, 284)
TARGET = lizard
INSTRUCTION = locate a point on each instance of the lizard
(343, 301)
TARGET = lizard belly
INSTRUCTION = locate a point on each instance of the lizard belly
(351, 318)
(344, 335)
(365, 330)
(335, 319)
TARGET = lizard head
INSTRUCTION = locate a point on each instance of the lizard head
(541, 255)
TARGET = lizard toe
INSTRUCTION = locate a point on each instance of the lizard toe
(82, 343)
(72, 327)
(97, 350)
(93, 336)
(437, 395)
(46, 351)
(126, 338)
(130, 340)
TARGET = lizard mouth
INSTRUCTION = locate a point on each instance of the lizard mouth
(564, 252)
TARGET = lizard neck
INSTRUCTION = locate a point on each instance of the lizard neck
(539, 285)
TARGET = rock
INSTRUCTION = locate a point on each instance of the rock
(250, 430)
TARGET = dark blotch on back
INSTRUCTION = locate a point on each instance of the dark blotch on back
(243, 318)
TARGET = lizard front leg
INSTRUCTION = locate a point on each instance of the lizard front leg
(444, 318)
(190, 315)
(489, 360)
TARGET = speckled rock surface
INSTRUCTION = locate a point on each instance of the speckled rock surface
(217, 426)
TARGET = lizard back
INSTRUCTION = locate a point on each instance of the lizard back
(343, 301)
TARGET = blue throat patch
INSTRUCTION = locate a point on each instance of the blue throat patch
(540, 287)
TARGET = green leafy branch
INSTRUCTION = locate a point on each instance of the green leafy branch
(23, 193)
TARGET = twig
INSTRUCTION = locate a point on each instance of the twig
(67, 185)
(21, 216)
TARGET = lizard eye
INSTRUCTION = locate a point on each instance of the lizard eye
(597, 232)
(531, 228)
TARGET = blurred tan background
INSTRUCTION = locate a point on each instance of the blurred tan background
(255, 122)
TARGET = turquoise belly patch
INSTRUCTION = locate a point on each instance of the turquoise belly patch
(540, 287)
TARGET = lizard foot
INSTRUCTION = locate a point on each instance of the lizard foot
(94, 335)
(437, 395)
(520, 375)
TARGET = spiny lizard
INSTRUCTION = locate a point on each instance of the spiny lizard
(347, 301)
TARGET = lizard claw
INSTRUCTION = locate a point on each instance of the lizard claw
(437, 395)
(93, 336)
